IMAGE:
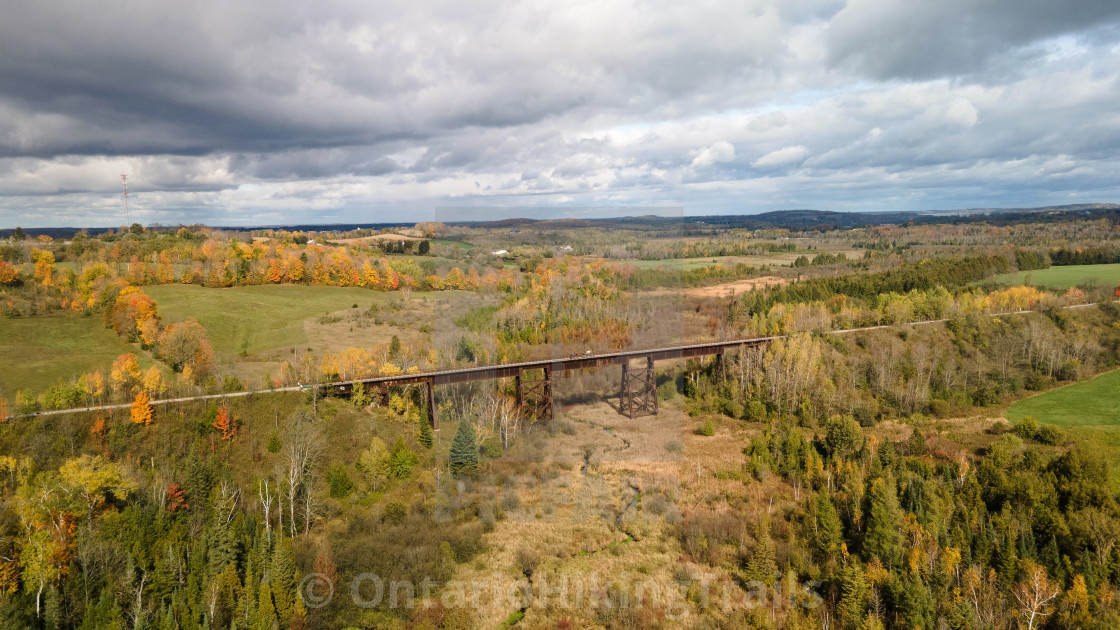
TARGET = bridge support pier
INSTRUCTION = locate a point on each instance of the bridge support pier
(519, 394)
(540, 390)
(639, 389)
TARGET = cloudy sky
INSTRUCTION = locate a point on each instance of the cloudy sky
(275, 111)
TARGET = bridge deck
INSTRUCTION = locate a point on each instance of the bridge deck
(579, 362)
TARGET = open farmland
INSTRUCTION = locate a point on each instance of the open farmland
(1089, 403)
(1064, 277)
(56, 348)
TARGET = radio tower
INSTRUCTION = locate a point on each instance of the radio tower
(124, 186)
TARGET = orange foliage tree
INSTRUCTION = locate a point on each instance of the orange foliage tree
(130, 315)
(225, 422)
(8, 274)
(142, 409)
(175, 499)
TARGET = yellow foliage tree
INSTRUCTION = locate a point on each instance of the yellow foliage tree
(142, 409)
(125, 373)
(44, 266)
(153, 381)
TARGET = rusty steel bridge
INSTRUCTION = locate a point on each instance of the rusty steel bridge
(533, 379)
(638, 392)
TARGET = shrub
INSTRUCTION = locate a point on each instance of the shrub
(1050, 435)
(1027, 428)
(339, 481)
(756, 411)
(491, 447)
(527, 560)
(394, 512)
(707, 428)
(733, 408)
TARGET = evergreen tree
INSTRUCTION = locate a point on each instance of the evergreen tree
(464, 449)
(853, 596)
(265, 618)
(829, 530)
(761, 566)
(401, 459)
(883, 526)
(283, 576)
(424, 434)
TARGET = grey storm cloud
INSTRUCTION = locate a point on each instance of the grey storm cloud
(258, 111)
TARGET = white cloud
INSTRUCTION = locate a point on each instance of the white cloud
(356, 109)
(782, 157)
(721, 151)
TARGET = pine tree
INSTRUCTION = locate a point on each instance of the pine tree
(762, 567)
(464, 449)
(266, 610)
(424, 434)
(853, 596)
(401, 459)
(283, 578)
(829, 530)
(883, 538)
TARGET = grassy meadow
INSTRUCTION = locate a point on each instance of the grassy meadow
(1087, 409)
(256, 318)
(49, 348)
(1064, 277)
(1088, 403)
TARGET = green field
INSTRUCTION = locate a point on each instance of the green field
(253, 319)
(47, 349)
(1093, 403)
(683, 264)
(775, 259)
(1064, 277)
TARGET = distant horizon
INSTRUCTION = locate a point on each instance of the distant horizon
(644, 213)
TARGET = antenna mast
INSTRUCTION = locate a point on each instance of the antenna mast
(124, 186)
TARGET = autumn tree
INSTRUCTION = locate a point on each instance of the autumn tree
(153, 381)
(9, 276)
(374, 463)
(38, 564)
(141, 412)
(44, 266)
(132, 316)
(225, 422)
(125, 374)
(1035, 593)
(94, 481)
(185, 343)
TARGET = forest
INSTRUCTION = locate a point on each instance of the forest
(858, 471)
